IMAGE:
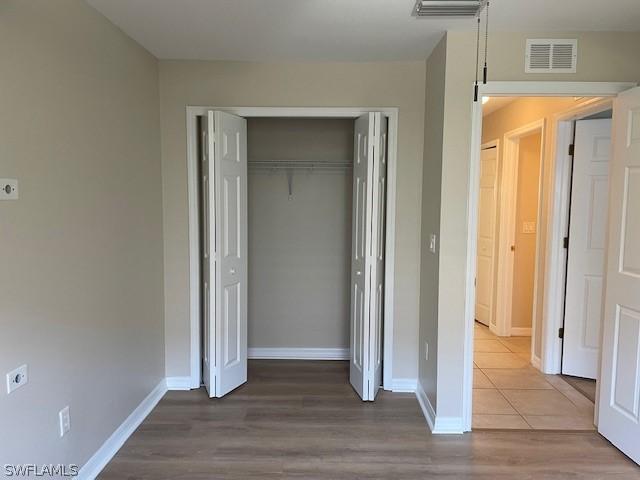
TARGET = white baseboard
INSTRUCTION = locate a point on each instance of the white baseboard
(299, 353)
(406, 385)
(437, 425)
(179, 383)
(427, 409)
(536, 363)
(110, 447)
(520, 332)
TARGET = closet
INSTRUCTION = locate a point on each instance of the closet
(292, 222)
(299, 229)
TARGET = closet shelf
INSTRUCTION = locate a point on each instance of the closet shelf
(298, 165)
(290, 165)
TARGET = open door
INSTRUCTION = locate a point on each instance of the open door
(487, 219)
(367, 261)
(225, 277)
(619, 400)
(586, 255)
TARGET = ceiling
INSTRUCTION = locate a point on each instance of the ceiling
(496, 103)
(334, 30)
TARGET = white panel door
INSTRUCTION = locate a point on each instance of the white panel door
(367, 261)
(619, 400)
(207, 233)
(228, 325)
(376, 312)
(487, 211)
(586, 256)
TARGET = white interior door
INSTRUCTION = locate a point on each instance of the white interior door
(619, 400)
(367, 261)
(207, 265)
(487, 217)
(587, 240)
(227, 344)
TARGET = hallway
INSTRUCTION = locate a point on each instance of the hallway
(508, 393)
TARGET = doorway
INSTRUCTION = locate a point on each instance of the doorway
(510, 388)
(292, 178)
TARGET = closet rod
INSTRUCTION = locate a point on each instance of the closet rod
(299, 165)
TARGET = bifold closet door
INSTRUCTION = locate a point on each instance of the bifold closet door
(226, 328)
(367, 256)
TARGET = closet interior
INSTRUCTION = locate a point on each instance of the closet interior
(299, 229)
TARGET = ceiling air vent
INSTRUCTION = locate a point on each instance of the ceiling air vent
(448, 8)
(551, 55)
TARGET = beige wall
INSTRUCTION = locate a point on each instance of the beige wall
(81, 299)
(603, 56)
(431, 178)
(524, 261)
(223, 84)
(299, 246)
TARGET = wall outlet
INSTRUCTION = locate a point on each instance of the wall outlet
(17, 378)
(8, 189)
(432, 242)
(426, 351)
(65, 421)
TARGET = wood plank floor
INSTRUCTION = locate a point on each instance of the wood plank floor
(301, 420)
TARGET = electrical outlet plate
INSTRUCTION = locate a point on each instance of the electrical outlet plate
(17, 378)
(65, 421)
(8, 189)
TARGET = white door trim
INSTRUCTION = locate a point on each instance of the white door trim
(192, 113)
(507, 221)
(508, 88)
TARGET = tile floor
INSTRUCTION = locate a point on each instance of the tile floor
(508, 393)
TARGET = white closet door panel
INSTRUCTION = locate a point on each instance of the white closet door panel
(377, 252)
(367, 262)
(361, 239)
(208, 264)
(230, 158)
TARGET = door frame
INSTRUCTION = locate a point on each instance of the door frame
(507, 222)
(192, 112)
(518, 89)
(554, 306)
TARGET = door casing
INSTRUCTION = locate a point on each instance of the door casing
(192, 113)
(555, 197)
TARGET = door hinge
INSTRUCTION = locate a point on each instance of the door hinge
(565, 242)
(205, 146)
(571, 149)
(561, 332)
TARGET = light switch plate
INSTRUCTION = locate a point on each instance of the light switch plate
(8, 189)
(528, 227)
(65, 421)
(17, 378)
(432, 243)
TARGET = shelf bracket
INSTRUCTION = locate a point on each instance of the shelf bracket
(290, 182)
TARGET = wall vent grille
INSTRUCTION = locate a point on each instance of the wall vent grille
(551, 55)
(448, 8)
